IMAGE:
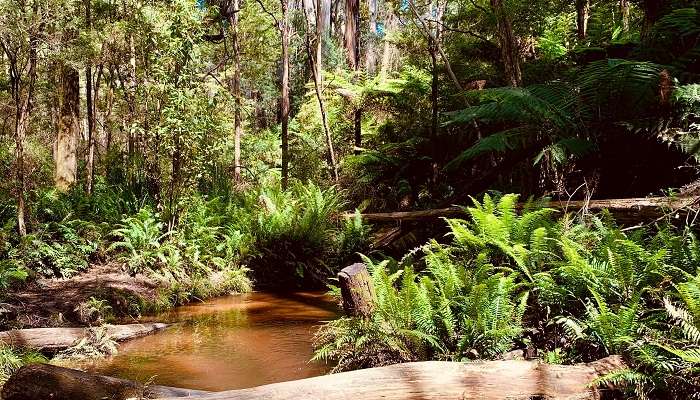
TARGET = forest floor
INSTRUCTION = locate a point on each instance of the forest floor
(50, 302)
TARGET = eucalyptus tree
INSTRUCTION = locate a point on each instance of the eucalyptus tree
(21, 24)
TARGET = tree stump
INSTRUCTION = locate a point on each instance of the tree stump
(357, 290)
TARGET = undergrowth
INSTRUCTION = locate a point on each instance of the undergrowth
(575, 289)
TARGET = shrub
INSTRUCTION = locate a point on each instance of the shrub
(11, 360)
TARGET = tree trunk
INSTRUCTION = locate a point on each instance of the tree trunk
(440, 380)
(22, 84)
(509, 48)
(389, 51)
(625, 15)
(68, 129)
(21, 124)
(45, 381)
(653, 10)
(370, 52)
(428, 380)
(90, 107)
(583, 10)
(352, 22)
(319, 96)
(352, 47)
(357, 290)
(323, 22)
(284, 101)
(237, 126)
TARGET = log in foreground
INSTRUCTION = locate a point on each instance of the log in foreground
(440, 380)
(44, 381)
(640, 208)
(56, 339)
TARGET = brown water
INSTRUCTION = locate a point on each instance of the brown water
(228, 343)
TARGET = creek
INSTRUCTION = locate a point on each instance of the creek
(231, 342)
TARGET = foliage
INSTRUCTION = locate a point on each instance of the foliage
(96, 344)
(298, 237)
(11, 360)
(575, 289)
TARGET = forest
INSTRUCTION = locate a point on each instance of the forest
(443, 199)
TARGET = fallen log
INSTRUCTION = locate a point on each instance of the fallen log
(45, 381)
(440, 380)
(641, 208)
(57, 339)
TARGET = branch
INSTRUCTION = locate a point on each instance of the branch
(479, 7)
(277, 22)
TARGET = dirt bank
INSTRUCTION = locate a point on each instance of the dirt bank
(61, 302)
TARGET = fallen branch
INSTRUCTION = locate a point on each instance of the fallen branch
(639, 208)
(56, 339)
(433, 380)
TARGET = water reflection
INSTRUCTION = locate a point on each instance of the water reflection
(228, 343)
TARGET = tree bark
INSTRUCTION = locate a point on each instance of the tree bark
(583, 10)
(428, 380)
(357, 290)
(509, 48)
(430, 36)
(352, 47)
(352, 23)
(625, 15)
(90, 107)
(68, 129)
(370, 51)
(45, 381)
(237, 126)
(439, 380)
(23, 77)
(284, 102)
(389, 51)
(323, 22)
(653, 10)
(319, 96)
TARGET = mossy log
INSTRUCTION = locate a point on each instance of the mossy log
(440, 380)
(57, 339)
(45, 381)
(633, 209)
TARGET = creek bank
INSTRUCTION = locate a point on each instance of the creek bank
(51, 340)
(51, 302)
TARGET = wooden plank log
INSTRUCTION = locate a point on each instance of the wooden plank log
(642, 208)
(56, 339)
(357, 290)
(45, 381)
(440, 380)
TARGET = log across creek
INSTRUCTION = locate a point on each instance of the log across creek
(428, 380)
